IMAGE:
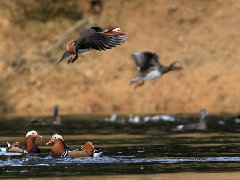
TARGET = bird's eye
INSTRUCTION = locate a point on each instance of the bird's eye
(33, 133)
(117, 30)
(55, 137)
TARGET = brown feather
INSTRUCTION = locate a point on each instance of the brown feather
(58, 148)
(30, 143)
(15, 149)
(71, 47)
(80, 153)
(88, 147)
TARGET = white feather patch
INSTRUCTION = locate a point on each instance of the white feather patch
(152, 75)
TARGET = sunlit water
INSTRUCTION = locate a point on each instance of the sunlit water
(131, 149)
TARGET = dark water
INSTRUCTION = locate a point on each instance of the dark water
(130, 148)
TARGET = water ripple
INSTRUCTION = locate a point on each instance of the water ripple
(48, 161)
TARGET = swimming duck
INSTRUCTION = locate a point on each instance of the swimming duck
(237, 119)
(30, 144)
(9, 145)
(54, 120)
(158, 118)
(94, 38)
(60, 149)
(134, 119)
(149, 67)
(201, 125)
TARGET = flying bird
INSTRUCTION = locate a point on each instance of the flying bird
(149, 67)
(94, 38)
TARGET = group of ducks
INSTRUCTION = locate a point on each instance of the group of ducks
(99, 39)
(200, 125)
(59, 147)
(136, 119)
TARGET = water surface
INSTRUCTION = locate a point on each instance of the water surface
(131, 149)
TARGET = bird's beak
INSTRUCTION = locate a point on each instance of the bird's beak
(123, 33)
(65, 55)
(39, 136)
(51, 141)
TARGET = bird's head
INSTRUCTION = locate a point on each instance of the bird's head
(32, 135)
(71, 49)
(176, 66)
(55, 138)
(116, 31)
(203, 113)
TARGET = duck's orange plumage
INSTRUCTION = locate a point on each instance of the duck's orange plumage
(60, 149)
(30, 144)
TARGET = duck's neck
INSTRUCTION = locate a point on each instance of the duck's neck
(30, 145)
(55, 113)
(58, 148)
(165, 69)
(202, 122)
(56, 117)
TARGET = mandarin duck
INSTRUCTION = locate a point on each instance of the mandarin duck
(60, 149)
(94, 38)
(201, 125)
(237, 119)
(149, 67)
(30, 144)
(9, 145)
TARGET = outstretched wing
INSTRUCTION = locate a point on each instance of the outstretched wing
(145, 60)
(95, 38)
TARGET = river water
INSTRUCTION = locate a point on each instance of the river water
(145, 148)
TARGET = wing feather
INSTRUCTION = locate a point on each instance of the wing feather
(145, 60)
(94, 38)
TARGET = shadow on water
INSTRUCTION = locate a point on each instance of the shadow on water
(150, 147)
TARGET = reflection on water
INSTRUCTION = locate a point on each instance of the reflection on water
(146, 147)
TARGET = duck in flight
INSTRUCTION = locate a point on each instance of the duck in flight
(150, 68)
(94, 38)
